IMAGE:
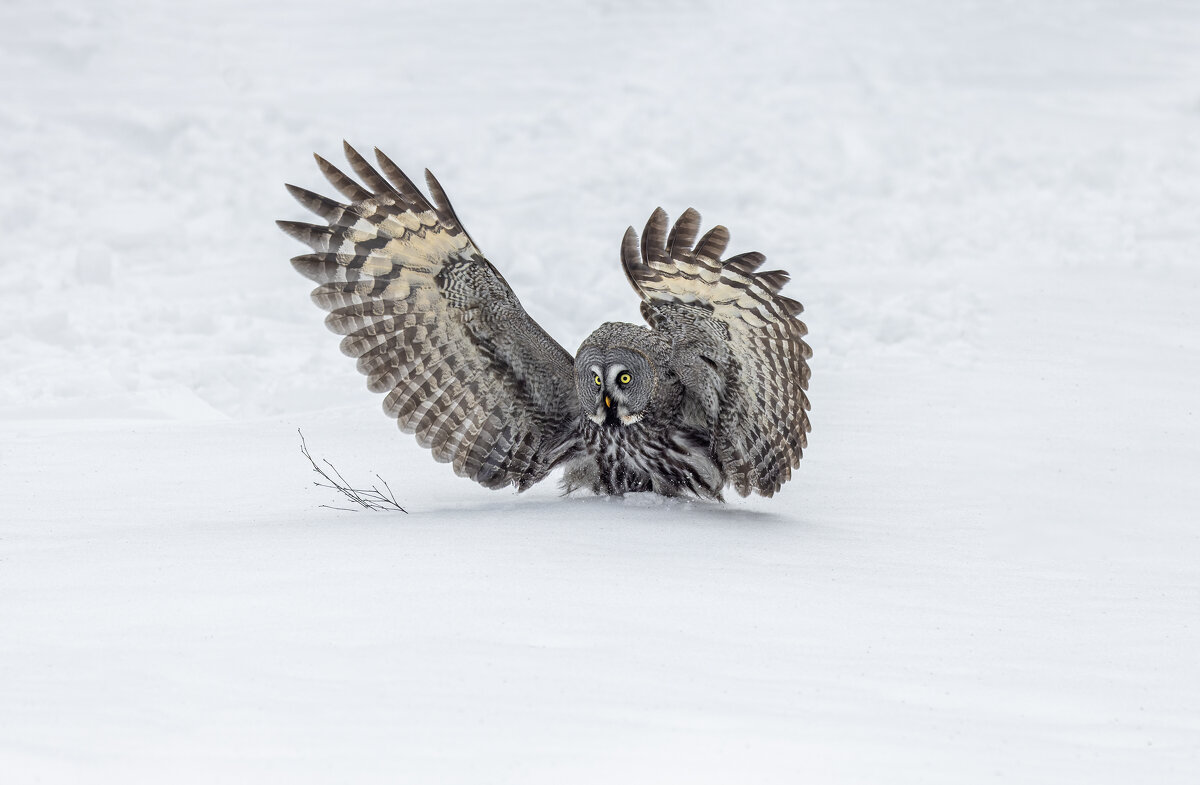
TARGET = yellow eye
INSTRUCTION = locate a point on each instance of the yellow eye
(625, 378)
(597, 379)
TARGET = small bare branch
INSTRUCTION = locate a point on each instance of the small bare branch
(367, 499)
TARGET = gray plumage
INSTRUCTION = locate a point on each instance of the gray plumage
(712, 393)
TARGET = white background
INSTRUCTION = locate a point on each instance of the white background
(986, 569)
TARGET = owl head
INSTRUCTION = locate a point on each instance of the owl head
(616, 375)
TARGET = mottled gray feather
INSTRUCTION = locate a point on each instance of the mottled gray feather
(434, 326)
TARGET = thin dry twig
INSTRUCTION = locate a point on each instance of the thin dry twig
(368, 499)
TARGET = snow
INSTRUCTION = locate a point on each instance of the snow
(987, 567)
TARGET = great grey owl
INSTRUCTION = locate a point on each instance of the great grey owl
(712, 393)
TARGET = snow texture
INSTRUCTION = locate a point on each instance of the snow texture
(986, 569)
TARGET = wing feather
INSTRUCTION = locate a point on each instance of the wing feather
(740, 348)
(434, 325)
(411, 194)
(373, 179)
(339, 180)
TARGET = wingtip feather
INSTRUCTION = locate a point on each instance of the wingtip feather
(683, 234)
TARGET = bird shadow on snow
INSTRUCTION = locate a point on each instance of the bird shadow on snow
(582, 510)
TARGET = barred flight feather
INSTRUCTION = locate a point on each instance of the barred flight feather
(764, 423)
(433, 325)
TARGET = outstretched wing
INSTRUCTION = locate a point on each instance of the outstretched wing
(740, 348)
(435, 326)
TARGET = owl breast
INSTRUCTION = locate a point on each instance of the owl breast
(619, 459)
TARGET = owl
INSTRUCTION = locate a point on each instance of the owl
(711, 393)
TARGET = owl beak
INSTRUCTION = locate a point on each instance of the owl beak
(607, 402)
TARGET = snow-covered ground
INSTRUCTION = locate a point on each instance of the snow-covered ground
(986, 569)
